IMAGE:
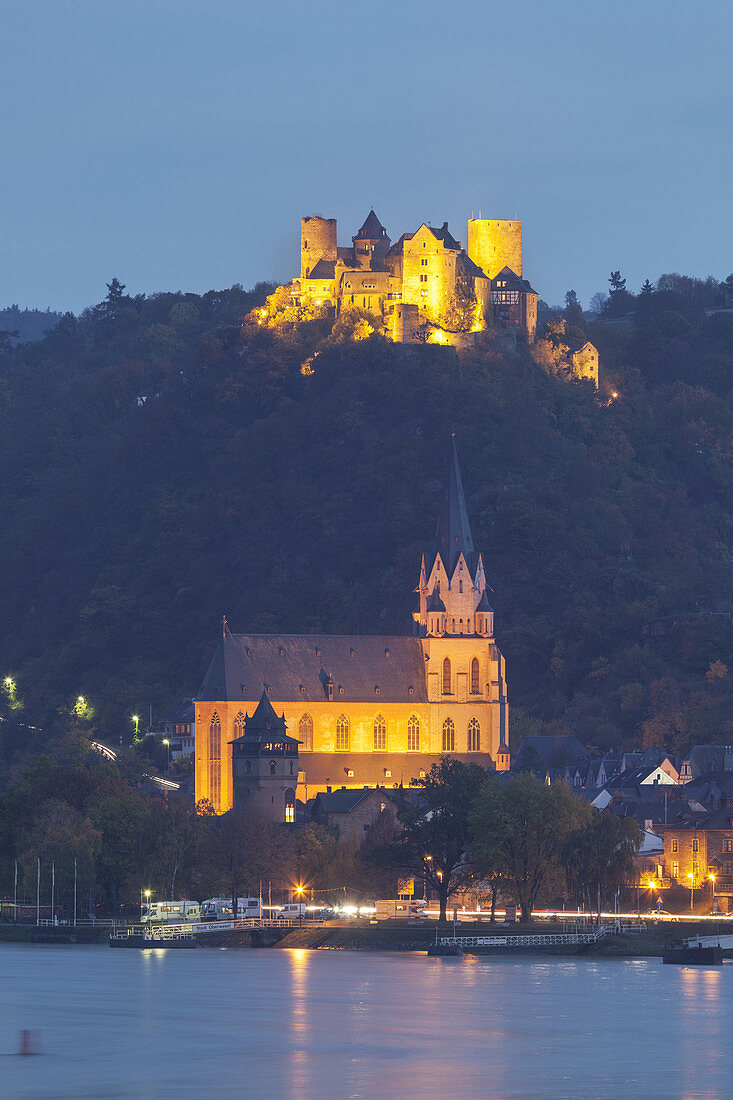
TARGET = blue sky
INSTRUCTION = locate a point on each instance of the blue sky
(176, 145)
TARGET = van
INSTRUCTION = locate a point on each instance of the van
(171, 912)
(221, 909)
(294, 910)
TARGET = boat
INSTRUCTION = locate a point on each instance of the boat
(146, 943)
(442, 950)
(693, 953)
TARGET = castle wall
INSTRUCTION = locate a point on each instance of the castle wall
(428, 274)
(494, 245)
(317, 242)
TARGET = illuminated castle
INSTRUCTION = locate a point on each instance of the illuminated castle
(423, 287)
(363, 711)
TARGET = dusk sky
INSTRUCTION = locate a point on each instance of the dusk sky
(177, 145)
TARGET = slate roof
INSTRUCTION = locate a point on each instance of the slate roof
(443, 234)
(324, 269)
(471, 268)
(344, 801)
(545, 748)
(265, 726)
(372, 229)
(513, 281)
(331, 769)
(291, 665)
(453, 533)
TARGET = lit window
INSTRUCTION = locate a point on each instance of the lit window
(305, 733)
(289, 806)
(474, 735)
(449, 736)
(446, 676)
(215, 761)
(675, 870)
(342, 734)
(239, 725)
(474, 676)
(413, 733)
(380, 734)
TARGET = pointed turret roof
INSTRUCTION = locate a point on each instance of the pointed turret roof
(453, 533)
(372, 229)
(265, 725)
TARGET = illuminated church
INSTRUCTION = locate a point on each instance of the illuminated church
(368, 711)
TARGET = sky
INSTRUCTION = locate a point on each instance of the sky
(176, 145)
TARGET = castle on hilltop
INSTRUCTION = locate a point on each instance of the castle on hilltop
(425, 286)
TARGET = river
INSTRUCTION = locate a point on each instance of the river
(327, 1025)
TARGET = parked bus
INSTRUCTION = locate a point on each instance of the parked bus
(171, 912)
(221, 909)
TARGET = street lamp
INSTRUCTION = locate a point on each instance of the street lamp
(692, 888)
(712, 884)
(147, 899)
(299, 893)
(167, 742)
(136, 720)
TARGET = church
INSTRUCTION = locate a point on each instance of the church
(357, 711)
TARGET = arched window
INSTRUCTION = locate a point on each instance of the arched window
(239, 725)
(273, 767)
(305, 733)
(248, 767)
(342, 734)
(449, 736)
(215, 761)
(474, 735)
(474, 676)
(413, 733)
(446, 676)
(380, 734)
(290, 806)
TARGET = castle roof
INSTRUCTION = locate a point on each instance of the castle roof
(511, 281)
(443, 234)
(470, 268)
(324, 269)
(372, 229)
(453, 533)
(291, 666)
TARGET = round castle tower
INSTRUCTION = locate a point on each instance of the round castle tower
(317, 242)
(494, 245)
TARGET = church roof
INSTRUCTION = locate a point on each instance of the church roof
(331, 769)
(372, 229)
(453, 533)
(291, 665)
(436, 604)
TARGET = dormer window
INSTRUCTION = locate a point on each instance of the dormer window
(329, 691)
(377, 690)
(341, 689)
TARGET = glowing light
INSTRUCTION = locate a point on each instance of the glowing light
(299, 889)
(81, 700)
(614, 395)
(9, 682)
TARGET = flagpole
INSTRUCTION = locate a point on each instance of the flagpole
(53, 889)
(15, 893)
(38, 892)
(74, 891)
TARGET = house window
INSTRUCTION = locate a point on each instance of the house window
(674, 844)
(695, 845)
(239, 725)
(305, 733)
(474, 676)
(215, 761)
(728, 844)
(675, 869)
(449, 736)
(413, 733)
(342, 734)
(446, 676)
(694, 869)
(380, 734)
(728, 869)
(474, 735)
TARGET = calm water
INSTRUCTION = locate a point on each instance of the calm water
(306, 1025)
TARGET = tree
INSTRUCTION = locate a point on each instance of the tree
(243, 849)
(573, 310)
(598, 302)
(519, 826)
(460, 314)
(647, 287)
(598, 857)
(177, 829)
(436, 833)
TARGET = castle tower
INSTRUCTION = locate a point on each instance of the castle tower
(371, 243)
(265, 765)
(317, 242)
(494, 245)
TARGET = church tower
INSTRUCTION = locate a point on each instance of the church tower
(455, 621)
(265, 765)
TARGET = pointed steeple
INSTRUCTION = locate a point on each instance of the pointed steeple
(453, 534)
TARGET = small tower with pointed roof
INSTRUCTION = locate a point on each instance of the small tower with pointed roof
(371, 243)
(265, 765)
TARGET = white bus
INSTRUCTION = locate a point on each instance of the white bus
(221, 909)
(171, 912)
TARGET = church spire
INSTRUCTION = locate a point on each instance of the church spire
(453, 533)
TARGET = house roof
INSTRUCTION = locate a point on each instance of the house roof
(345, 801)
(443, 234)
(293, 667)
(372, 229)
(512, 281)
(546, 748)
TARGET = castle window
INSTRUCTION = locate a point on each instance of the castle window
(342, 734)
(273, 767)
(474, 735)
(289, 806)
(380, 734)
(305, 733)
(239, 725)
(215, 761)
(424, 262)
(413, 733)
(449, 736)
(446, 676)
(474, 676)
(423, 293)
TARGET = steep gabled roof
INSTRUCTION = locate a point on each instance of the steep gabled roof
(372, 229)
(512, 281)
(453, 533)
(443, 234)
(324, 269)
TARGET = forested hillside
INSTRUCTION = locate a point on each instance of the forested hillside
(162, 465)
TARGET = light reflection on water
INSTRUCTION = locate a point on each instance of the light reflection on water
(302, 1025)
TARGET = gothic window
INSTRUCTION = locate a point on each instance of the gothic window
(215, 761)
(248, 767)
(449, 736)
(474, 735)
(290, 806)
(446, 676)
(380, 734)
(239, 725)
(413, 733)
(342, 734)
(273, 767)
(474, 676)
(305, 733)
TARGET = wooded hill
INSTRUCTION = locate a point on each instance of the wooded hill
(161, 465)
